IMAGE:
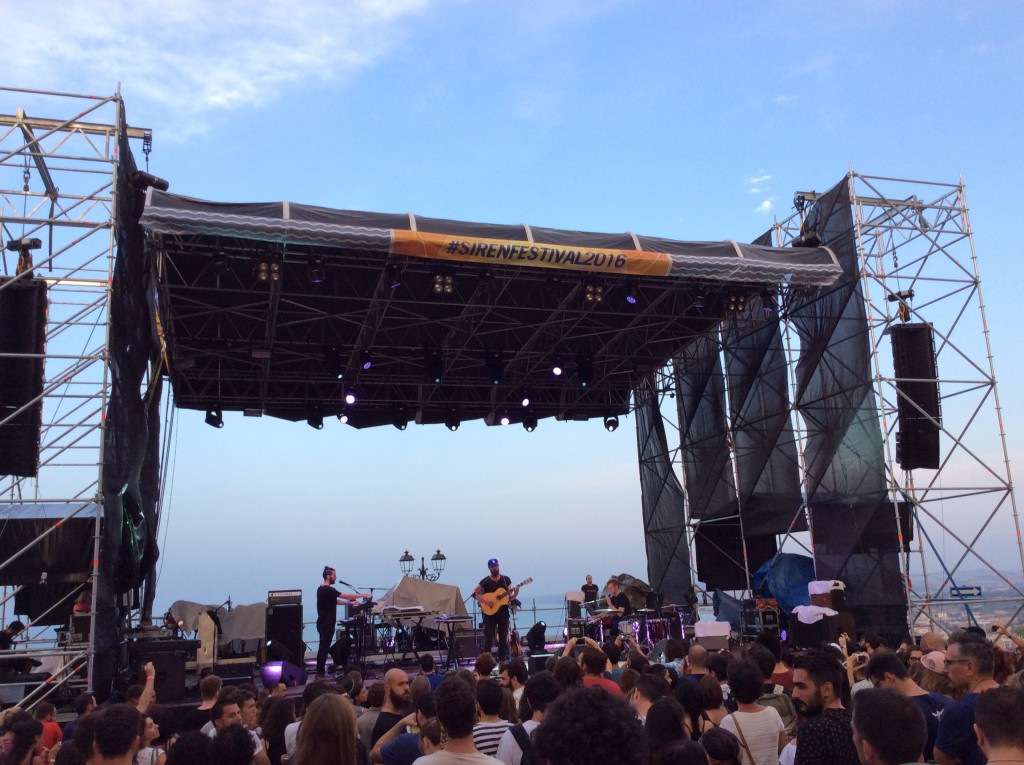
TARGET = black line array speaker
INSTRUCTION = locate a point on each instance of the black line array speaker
(22, 336)
(284, 629)
(917, 385)
(719, 553)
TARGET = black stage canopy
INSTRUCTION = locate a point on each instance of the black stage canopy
(286, 309)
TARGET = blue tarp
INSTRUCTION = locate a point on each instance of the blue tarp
(786, 580)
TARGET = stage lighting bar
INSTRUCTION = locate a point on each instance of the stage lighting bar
(444, 284)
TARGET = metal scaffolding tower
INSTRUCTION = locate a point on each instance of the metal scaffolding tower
(59, 208)
(918, 266)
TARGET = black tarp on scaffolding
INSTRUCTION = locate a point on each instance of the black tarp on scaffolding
(854, 540)
(668, 552)
(132, 436)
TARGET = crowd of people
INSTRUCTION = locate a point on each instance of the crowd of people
(956, 701)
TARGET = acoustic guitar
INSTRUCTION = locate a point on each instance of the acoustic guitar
(490, 602)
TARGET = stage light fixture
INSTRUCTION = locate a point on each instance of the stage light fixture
(611, 423)
(315, 418)
(268, 271)
(365, 360)
(343, 417)
(807, 239)
(334, 364)
(400, 419)
(220, 263)
(524, 398)
(631, 292)
(593, 293)
(495, 366)
(737, 303)
(394, 277)
(215, 417)
(433, 365)
(451, 419)
(316, 271)
(698, 300)
(899, 297)
(350, 397)
(143, 180)
(530, 422)
(768, 301)
(444, 284)
(584, 369)
(557, 368)
(504, 419)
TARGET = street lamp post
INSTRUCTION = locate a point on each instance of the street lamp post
(437, 561)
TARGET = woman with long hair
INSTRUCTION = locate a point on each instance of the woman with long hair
(328, 733)
(277, 715)
(148, 754)
(25, 737)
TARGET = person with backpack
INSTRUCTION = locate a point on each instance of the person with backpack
(516, 745)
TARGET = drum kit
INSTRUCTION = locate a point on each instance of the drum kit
(647, 626)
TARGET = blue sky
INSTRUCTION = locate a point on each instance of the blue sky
(687, 120)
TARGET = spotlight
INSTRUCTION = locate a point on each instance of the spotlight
(495, 366)
(433, 365)
(698, 300)
(334, 365)
(215, 417)
(316, 271)
(315, 418)
(267, 271)
(593, 293)
(451, 419)
(343, 417)
(401, 419)
(557, 368)
(611, 423)
(394, 277)
(768, 301)
(365, 360)
(806, 239)
(631, 292)
(584, 369)
(444, 284)
(524, 399)
(737, 303)
(350, 397)
(530, 422)
(504, 419)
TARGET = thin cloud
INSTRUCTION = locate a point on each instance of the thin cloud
(190, 59)
(766, 206)
(759, 179)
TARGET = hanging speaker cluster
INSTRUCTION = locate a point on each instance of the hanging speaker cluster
(918, 411)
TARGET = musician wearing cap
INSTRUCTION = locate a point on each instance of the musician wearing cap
(494, 593)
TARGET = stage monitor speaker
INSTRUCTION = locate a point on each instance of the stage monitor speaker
(918, 410)
(169, 683)
(468, 644)
(719, 552)
(274, 672)
(537, 662)
(284, 634)
(22, 344)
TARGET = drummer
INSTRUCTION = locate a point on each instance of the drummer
(617, 600)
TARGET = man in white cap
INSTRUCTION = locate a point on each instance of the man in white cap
(495, 590)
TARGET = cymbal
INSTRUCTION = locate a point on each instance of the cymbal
(674, 607)
(606, 611)
(647, 611)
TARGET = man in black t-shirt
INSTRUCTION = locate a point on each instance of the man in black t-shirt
(327, 600)
(825, 737)
(498, 621)
(618, 600)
